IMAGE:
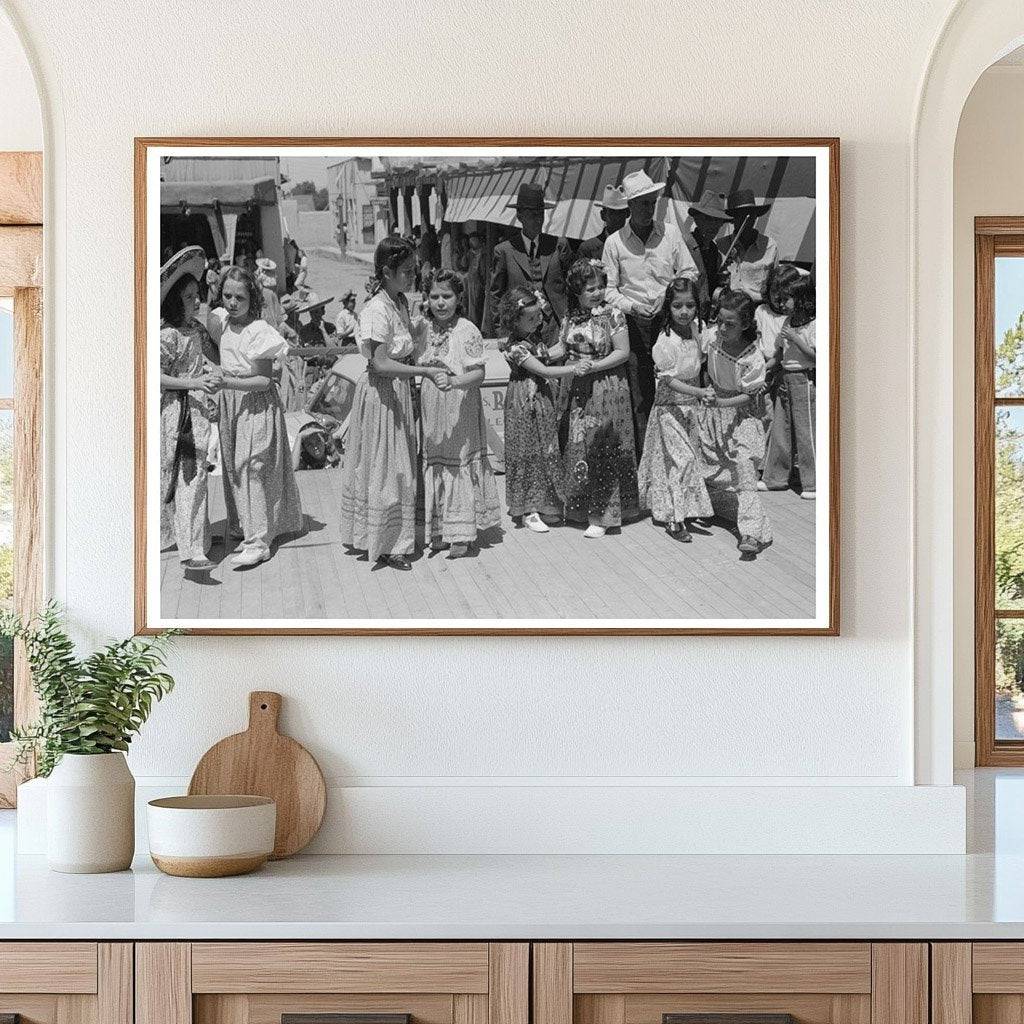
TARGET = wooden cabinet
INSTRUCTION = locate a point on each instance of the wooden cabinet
(66, 982)
(260, 982)
(979, 982)
(815, 982)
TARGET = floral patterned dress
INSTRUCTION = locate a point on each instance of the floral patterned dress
(732, 439)
(533, 464)
(461, 496)
(185, 418)
(599, 454)
(671, 476)
(378, 473)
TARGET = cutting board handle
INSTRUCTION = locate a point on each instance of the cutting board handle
(264, 710)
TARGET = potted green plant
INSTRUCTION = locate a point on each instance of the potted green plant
(89, 710)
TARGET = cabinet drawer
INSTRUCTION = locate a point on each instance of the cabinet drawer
(733, 982)
(66, 982)
(261, 982)
(635, 967)
(48, 967)
(340, 967)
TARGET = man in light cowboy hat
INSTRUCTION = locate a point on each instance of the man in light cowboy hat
(529, 259)
(709, 217)
(614, 212)
(751, 254)
(642, 258)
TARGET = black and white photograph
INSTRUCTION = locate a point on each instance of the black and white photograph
(473, 388)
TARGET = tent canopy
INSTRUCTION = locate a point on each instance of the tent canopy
(576, 184)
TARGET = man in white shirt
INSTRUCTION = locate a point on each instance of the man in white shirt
(642, 259)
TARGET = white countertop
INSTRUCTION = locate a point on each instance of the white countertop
(978, 896)
(532, 897)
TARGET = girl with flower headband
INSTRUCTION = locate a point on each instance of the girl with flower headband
(600, 454)
(461, 497)
(533, 465)
(378, 475)
(671, 476)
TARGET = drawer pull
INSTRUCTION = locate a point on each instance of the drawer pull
(728, 1018)
(341, 1018)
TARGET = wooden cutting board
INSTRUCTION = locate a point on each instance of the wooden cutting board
(262, 762)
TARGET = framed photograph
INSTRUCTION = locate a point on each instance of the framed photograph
(487, 386)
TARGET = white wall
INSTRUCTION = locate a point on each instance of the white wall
(21, 123)
(443, 714)
(988, 181)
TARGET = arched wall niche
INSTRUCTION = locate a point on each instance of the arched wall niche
(975, 35)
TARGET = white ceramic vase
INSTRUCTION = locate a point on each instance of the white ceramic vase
(90, 814)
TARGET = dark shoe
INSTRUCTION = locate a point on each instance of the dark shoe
(459, 551)
(399, 562)
(679, 532)
(749, 546)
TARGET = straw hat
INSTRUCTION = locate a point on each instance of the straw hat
(531, 197)
(712, 204)
(190, 260)
(613, 199)
(638, 184)
(743, 204)
(310, 306)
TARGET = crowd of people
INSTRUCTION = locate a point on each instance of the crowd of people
(650, 372)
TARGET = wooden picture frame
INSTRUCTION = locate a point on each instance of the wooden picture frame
(21, 261)
(149, 151)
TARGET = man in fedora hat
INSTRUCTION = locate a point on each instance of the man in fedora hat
(752, 254)
(614, 212)
(642, 258)
(529, 259)
(709, 217)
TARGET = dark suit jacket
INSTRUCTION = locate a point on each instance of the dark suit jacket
(592, 248)
(511, 267)
(708, 280)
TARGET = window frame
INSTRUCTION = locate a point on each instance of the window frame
(21, 260)
(993, 237)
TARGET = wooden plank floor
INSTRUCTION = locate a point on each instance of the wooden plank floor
(516, 574)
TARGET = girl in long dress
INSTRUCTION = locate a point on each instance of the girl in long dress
(671, 477)
(599, 455)
(260, 491)
(533, 463)
(458, 482)
(188, 386)
(378, 476)
(731, 428)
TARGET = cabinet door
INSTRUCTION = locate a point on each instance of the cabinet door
(980, 982)
(734, 982)
(332, 983)
(66, 982)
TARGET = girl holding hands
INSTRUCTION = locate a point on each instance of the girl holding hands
(378, 478)
(599, 456)
(671, 477)
(533, 464)
(731, 428)
(460, 492)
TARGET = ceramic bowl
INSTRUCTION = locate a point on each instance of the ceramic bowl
(211, 836)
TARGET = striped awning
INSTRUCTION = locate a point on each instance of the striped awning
(576, 185)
